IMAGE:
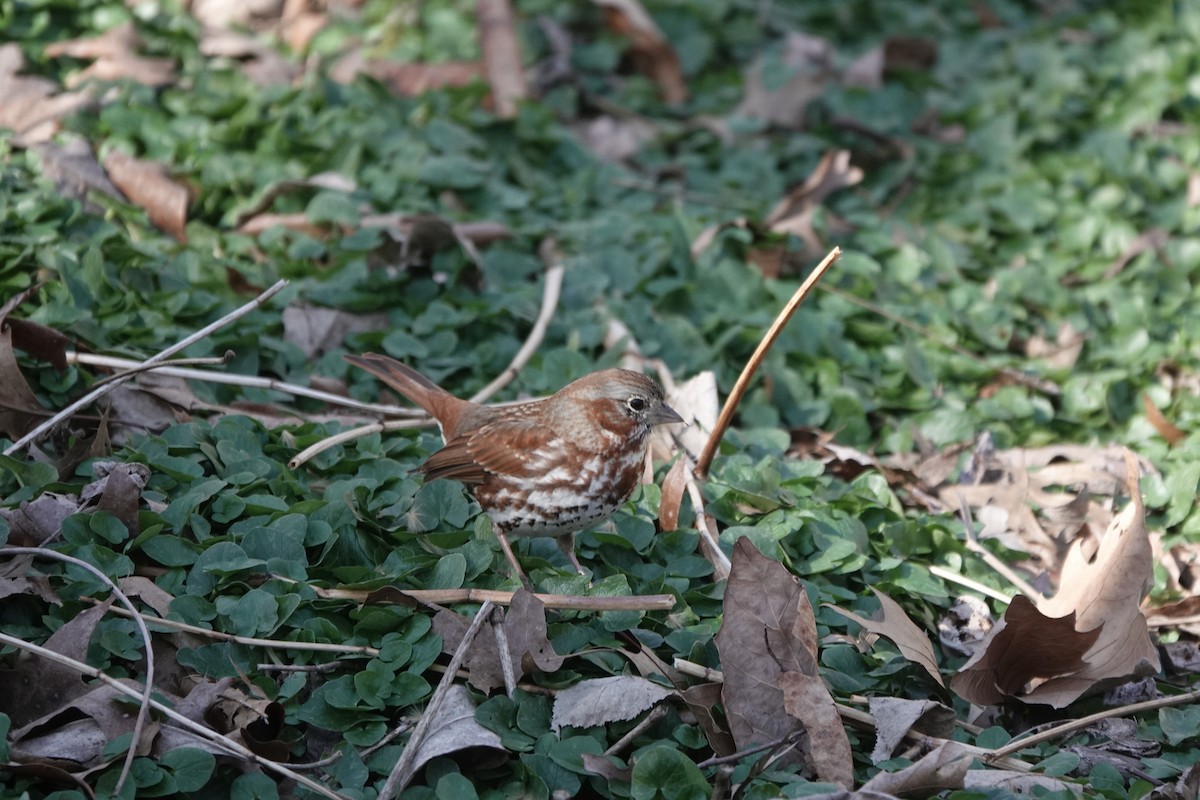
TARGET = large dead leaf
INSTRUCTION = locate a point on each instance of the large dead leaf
(651, 51)
(902, 631)
(455, 730)
(1088, 636)
(525, 630)
(603, 700)
(75, 734)
(811, 60)
(767, 629)
(36, 687)
(147, 185)
(115, 56)
(317, 330)
(32, 105)
(1024, 650)
(19, 407)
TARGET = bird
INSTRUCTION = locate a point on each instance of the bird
(547, 467)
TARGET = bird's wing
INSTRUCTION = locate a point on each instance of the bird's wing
(518, 447)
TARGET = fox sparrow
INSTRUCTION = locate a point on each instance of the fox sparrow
(548, 467)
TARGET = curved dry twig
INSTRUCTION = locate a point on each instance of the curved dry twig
(162, 355)
(760, 353)
(177, 369)
(139, 724)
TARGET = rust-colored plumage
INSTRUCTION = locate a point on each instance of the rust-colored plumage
(548, 467)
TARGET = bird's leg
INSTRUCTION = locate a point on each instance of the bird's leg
(566, 543)
(512, 558)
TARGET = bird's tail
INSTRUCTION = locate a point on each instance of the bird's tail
(407, 381)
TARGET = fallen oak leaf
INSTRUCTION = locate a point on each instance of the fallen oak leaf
(902, 631)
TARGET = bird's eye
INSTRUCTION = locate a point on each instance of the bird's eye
(637, 404)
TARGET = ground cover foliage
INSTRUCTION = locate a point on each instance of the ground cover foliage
(1015, 187)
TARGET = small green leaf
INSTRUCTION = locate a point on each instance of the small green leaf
(667, 774)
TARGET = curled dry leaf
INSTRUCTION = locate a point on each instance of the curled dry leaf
(902, 631)
(77, 732)
(1164, 426)
(453, 730)
(895, 717)
(1088, 636)
(944, 767)
(603, 700)
(147, 185)
(965, 625)
(19, 406)
(652, 53)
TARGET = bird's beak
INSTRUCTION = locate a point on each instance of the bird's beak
(665, 416)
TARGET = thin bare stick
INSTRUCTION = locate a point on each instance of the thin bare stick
(989, 558)
(176, 369)
(501, 55)
(712, 548)
(698, 670)
(743, 381)
(185, 723)
(136, 367)
(758, 748)
(162, 355)
(399, 776)
(635, 602)
(1079, 724)
(975, 586)
(143, 710)
(550, 294)
(657, 713)
(496, 621)
(354, 433)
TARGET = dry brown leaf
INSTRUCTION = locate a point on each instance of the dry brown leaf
(896, 717)
(674, 486)
(317, 330)
(454, 729)
(807, 699)
(78, 731)
(528, 648)
(702, 699)
(612, 139)
(501, 55)
(1165, 428)
(409, 80)
(965, 625)
(261, 63)
(36, 687)
(1105, 593)
(902, 631)
(147, 185)
(32, 105)
(1062, 353)
(19, 406)
(768, 628)
(651, 52)
(115, 57)
(75, 171)
(812, 59)
(944, 767)
(1024, 651)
